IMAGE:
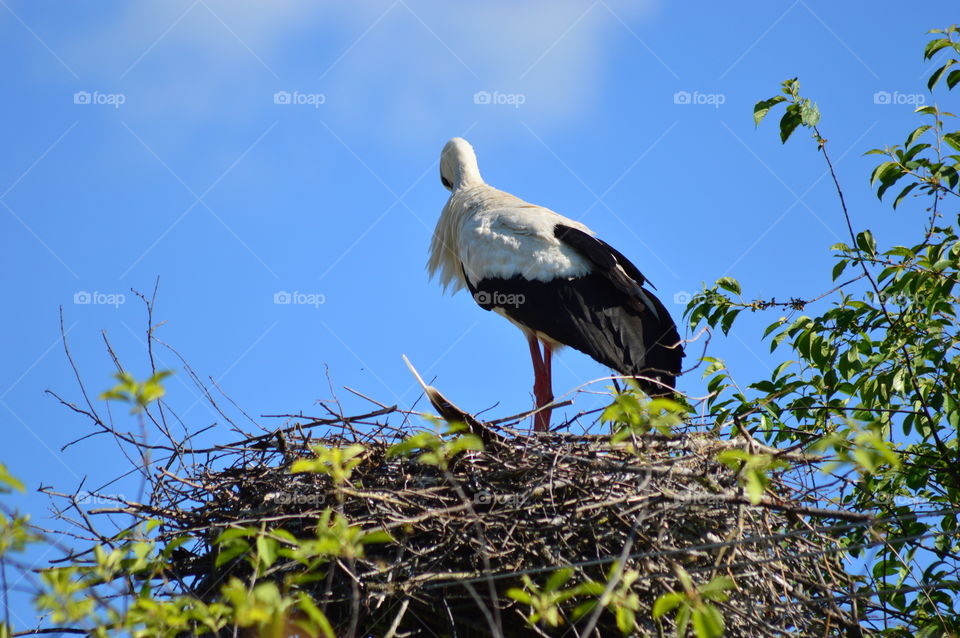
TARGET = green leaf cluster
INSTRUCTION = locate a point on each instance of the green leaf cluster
(139, 395)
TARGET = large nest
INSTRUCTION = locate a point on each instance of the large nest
(525, 506)
(641, 516)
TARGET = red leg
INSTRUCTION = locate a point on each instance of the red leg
(542, 392)
(546, 390)
(535, 357)
(537, 373)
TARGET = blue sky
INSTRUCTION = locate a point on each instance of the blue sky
(237, 152)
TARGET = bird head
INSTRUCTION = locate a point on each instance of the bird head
(458, 165)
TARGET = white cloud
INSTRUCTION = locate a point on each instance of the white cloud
(394, 65)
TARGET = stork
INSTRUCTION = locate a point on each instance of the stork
(553, 278)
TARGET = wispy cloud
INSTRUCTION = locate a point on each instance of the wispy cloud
(203, 59)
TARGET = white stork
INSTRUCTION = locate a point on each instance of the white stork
(553, 278)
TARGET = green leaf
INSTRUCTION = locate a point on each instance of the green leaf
(233, 533)
(379, 536)
(7, 480)
(901, 251)
(789, 122)
(904, 193)
(667, 603)
(683, 619)
(953, 78)
(625, 619)
(773, 326)
(267, 550)
(913, 151)
(304, 465)
(953, 139)
(228, 554)
(755, 486)
(889, 181)
(809, 113)
(733, 457)
(464, 443)
(762, 107)
(838, 269)
(728, 320)
(707, 622)
(316, 616)
(558, 579)
(729, 284)
(935, 45)
(884, 171)
(717, 587)
(917, 132)
(867, 243)
(935, 77)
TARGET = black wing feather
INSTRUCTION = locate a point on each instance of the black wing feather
(598, 251)
(600, 314)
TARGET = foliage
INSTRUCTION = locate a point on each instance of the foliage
(129, 390)
(693, 602)
(752, 469)
(335, 462)
(632, 413)
(545, 603)
(437, 449)
(872, 381)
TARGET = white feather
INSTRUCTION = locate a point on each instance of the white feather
(494, 234)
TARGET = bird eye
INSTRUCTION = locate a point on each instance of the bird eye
(446, 182)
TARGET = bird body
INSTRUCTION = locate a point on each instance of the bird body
(485, 232)
(552, 277)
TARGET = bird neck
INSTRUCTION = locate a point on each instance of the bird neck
(468, 176)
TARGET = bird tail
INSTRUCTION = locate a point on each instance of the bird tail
(663, 356)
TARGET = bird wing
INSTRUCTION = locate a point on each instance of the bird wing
(611, 263)
(504, 236)
(604, 312)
